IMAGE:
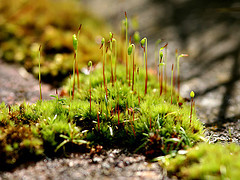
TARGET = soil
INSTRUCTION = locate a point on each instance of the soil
(111, 164)
(212, 71)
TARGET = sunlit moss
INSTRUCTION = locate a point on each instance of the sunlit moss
(207, 161)
(27, 24)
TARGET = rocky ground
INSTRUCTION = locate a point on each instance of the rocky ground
(209, 34)
(111, 164)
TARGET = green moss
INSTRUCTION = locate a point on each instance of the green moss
(121, 115)
(27, 24)
(207, 161)
(158, 127)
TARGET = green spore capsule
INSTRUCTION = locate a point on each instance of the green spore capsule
(110, 35)
(75, 42)
(161, 55)
(90, 64)
(192, 94)
(130, 50)
(103, 41)
(136, 37)
(143, 42)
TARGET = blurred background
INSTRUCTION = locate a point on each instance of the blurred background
(209, 31)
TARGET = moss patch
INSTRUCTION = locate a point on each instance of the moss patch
(26, 24)
(207, 161)
(149, 123)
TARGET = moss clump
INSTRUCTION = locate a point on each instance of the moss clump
(207, 161)
(153, 125)
(25, 24)
(19, 144)
(111, 107)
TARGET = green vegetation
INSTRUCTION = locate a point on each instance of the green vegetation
(26, 24)
(108, 110)
(206, 161)
(117, 106)
(113, 119)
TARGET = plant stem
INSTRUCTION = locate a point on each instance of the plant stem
(115, 59)
(146, 80)
(118, 113)
(74, 69)
(131, 122)
(174, 76)
(111, 59)
(161, 63)
(191, 110)
(160, 72)
(78, 82)
(130, 61)
(104, 61)
(156, 52)
(70, 94)
(133, 54)
(75, 47)
(105, 73)
(172, 83)
(126, 47)
(192, 94)
(98, 121)
(39, 74)
(150, 123)
(90, 86)
(165, 69)
(138, 85)
(144, 46)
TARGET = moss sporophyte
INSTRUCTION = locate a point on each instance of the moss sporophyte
(138, 118)
(39, 75)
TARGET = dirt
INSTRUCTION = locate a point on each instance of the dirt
(111, 164)
(212, 71)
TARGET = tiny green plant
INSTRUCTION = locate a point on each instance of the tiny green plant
(192, 94)
(174, 76)
(115, 59)
(131, 52)
(39, 75)
(111, 56)
(126, 43)
(78, 34)
(165, 69)
(105, 75)
(74, 136)
(160, 71)
(129, 64)
(172, 83)
(138, 84)
(133, 63)
(104, 50)
(144, 46)
(136, 37)
(75, 47)
(70, 84)
(90, 83)
(156, 52)
(130, 49)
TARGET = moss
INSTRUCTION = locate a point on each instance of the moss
(207, 161)
(153, 127)
(51, 24)
(18, 144)
(122, 115)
